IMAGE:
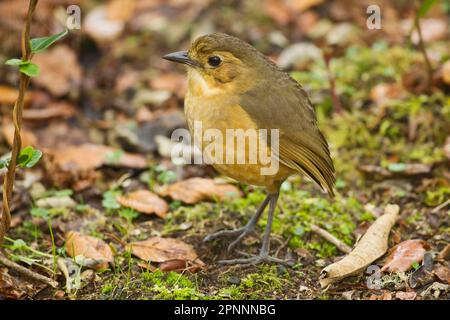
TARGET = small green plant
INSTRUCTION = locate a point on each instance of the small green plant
(37, 45)
(128, 214)
(109, 201)
(29, 156)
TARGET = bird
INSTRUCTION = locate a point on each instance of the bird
(231, 85)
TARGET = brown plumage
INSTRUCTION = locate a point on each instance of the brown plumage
(234, 86)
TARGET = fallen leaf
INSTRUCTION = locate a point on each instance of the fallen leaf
(101, 27)
(446, 72)
(12, 287)
(8, 95)
(90, 248)
(173, 82)
(91, 156)
(402, 256)
(53, 110)
(396, 170)
(369, 248)
(58, 78)
(56, 202)
(299, 55)
(284, 12)
(28, 137)
(447, 147)
(383, 92)
(385, 296)
(443, 273)
(415, 80)
(145, 201)
(444, 253)
(194, 190)
(432, 30)
(173, 252)
(402, 295)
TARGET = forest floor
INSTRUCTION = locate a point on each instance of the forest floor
(390, 145)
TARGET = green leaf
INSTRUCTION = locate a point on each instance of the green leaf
(19, 244)
(16, 62)
(4, 163)
(28, 157)
(129, 214)
(110, 199)
(40, 213)
(114, 156)
(425, 7)
(167, 177)
(40, 44)
(30, 69)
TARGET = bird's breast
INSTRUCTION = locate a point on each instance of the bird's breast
(220, 117)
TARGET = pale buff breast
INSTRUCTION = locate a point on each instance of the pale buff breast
(214, 111)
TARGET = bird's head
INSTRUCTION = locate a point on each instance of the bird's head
(219, 61)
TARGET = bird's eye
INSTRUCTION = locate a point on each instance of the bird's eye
(214, 61)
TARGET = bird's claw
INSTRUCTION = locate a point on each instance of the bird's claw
(223, 233)
(241, 233)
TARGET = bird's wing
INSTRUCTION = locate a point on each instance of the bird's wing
(283, 104)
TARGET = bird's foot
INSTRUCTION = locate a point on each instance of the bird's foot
(256, 259)
(240, 233)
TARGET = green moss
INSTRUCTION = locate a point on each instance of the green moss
(263, 284)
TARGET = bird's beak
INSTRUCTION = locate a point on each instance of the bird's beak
(181, 57)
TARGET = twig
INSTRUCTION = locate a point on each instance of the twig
(441, 206)
(63, 267)
(330, 238)
(36, 276)
(423, 50)
(445, 253)
(327, 56)
(8, 183)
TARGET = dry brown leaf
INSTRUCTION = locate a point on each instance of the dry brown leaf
(402, 256)
(174, 253)
(28, 137)
(58, 78)
(443, 273)
(91, 156)
(385, 296)
(146, 202)
(8, 95)
(90, 248)
(446, 72)
(444, 253)
(194, 190)
(407, 170)
(17, 287)
(447, 147)
(284, 12)
(121, 10)
(100, 26)
(53, 110)
(369, 248)
(173, 82)
(383, 92)
(402, 295)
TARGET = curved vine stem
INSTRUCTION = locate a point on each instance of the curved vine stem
(8, 183)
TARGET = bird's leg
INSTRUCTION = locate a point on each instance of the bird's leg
(244, 231)
(264, 252)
